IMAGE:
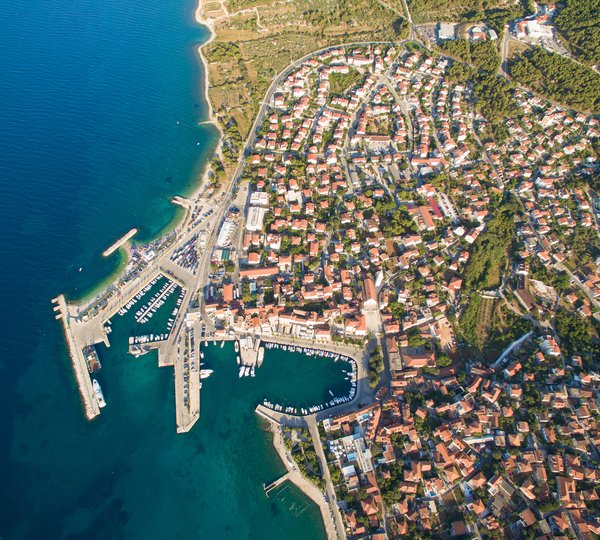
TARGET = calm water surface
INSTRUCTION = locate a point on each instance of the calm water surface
(99, 110)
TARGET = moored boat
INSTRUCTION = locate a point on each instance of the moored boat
(99, 394)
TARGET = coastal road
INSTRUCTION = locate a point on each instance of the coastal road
(311, 422)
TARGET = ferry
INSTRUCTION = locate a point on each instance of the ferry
(205, 373)
(99, 394)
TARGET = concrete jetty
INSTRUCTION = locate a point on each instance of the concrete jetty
(84, 383)
(249, 350)
(186, 364)
(112, 248)
(276, 483)
(182, 201)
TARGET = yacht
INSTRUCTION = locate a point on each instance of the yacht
(99, 394)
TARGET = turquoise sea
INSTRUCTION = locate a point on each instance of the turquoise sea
(99, 110)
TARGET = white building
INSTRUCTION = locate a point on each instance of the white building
(446, 31)
(259, 198)
(256, 217)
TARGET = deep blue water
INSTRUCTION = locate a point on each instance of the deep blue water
(99, 111)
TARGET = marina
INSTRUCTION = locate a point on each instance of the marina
(103, 152)
(309, 352)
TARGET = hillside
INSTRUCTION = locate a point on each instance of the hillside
(255, 40)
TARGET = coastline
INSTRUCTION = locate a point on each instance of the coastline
(180, 214)
(89, 403)
(311, 491)
(200, 20)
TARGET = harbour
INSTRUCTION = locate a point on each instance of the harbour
(94, 132)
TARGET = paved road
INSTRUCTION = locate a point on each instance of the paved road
(311, 422)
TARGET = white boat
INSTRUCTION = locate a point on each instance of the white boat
(246, 371)
(99, 394)
(241, 373)
(236, 346)
(237, 359)
(201, 354)
(252, 372)
(205, 373)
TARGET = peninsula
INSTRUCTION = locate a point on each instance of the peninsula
(398, 206)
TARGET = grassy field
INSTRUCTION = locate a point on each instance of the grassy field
(341, 82)
(252, 47)
(488, 327)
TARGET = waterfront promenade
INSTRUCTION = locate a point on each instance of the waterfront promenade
(333, 527)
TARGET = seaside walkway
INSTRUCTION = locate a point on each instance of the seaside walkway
(307, 487)
(333, 506)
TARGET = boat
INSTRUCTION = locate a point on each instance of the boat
(236, 346)
(246, 371)
(237, 359)
(99, 394)
(241, 373)
(252, 372)
(92, 360)
(201, 354)
(261, 356)
(205, 373)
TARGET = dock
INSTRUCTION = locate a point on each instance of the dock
(250, 351)
(182, 201)
(187, 379)
(78, 361)
(276, 484)
(112, 248)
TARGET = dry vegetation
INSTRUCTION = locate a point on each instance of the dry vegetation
(256, 40)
